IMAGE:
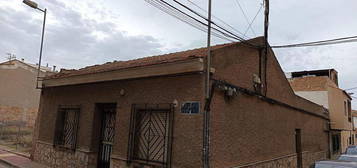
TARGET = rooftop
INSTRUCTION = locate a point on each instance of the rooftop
(310, 83)
(145, 61)
(34, 66)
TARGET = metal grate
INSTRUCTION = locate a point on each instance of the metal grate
(67, 126)
(150, 138)
(107, 134)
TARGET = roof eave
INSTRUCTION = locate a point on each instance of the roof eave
(179, 67)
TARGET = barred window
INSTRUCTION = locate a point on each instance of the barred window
(67, 127)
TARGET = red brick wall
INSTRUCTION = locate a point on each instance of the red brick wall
(247, 129)
(187, 135)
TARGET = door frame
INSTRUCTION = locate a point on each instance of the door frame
(100, 108)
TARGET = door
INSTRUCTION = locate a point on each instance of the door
(151, 134)
(108, 112)
(298, 147)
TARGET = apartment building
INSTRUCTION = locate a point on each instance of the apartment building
(321, 87)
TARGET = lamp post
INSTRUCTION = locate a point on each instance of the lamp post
(35, 6)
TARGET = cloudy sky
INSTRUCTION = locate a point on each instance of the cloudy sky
(87, 32)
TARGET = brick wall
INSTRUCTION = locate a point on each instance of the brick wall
(10, 113)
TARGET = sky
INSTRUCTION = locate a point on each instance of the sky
(87, 32)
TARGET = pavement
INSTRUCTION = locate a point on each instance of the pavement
(9, 159)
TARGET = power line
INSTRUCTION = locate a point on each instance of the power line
(245, 16)
(203, 17)
(185, 18)
(321, 43)
(195, 22)
(250, 25)
(190, 22)
(222, 21)
(242, 40)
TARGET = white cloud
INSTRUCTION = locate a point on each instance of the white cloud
(85, 32)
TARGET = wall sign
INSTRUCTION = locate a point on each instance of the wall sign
(190, 107)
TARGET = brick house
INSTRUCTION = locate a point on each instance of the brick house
(321, 87)
(148, 112)
(19, 98)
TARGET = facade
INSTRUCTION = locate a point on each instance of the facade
(354, 120)
(19, 98)
(149, 113)
(321, 87)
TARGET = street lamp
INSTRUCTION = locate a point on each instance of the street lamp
(34, 5)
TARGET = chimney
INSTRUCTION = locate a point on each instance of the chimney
(54, 68)
(47, 65)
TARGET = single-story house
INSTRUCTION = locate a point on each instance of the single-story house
(148, 112)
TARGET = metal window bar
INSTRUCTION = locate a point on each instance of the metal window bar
(107, 135)
(150, 137)
(67, 124)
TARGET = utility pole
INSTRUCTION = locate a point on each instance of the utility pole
(266, 44)
(266, 22)
(206, 123)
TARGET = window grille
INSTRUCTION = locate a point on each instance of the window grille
(150, 138)
(67, 127)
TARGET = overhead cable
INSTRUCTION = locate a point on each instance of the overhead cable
(320, 43)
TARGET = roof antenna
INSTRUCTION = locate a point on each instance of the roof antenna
(10, 56)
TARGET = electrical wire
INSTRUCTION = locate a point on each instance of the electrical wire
(321, 43)
(245, 16)
(194, 23)
(250, 25)
(206, 19)
(220, 20)
(217, 30)
(217, 27)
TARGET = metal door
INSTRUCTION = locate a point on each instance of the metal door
(151, 134)
(107, 135)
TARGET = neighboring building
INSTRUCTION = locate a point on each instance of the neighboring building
(148, 112)
(19, 98)
(354, 119)
(321, 87)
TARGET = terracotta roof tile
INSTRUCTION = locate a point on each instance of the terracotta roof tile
(117, 65)
(146, 61)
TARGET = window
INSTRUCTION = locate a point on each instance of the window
(335, 143)
(190, 107)
(67, 127)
